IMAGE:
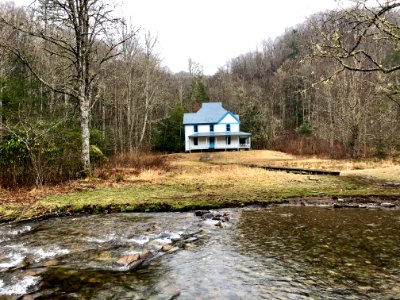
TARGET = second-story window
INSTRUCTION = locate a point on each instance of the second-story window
(211, 127)
(228, 127)
(196, 128)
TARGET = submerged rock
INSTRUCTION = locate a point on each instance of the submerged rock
(345, 205)
(191, 239)
(387, 204)
(51, 263)
(135, 260)
(127, 259)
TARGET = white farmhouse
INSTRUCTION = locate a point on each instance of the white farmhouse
(214, 128)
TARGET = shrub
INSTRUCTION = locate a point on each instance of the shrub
(97, 157)
(139, 161)
(14, 161)
(38, 154)
(119, 177)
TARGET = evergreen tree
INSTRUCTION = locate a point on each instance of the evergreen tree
(169, 133)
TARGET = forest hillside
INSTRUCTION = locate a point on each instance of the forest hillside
(77, 88)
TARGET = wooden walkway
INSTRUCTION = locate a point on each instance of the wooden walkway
(297, 170)
(286, 169)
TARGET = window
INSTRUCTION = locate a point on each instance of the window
(228, 127)
(196, 128)
(196, 141)
(228, 140)
(211, 127)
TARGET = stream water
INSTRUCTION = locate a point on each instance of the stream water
(261, 253)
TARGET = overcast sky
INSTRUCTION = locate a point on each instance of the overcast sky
(211, 32)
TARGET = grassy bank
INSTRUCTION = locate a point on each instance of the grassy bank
(211, 180)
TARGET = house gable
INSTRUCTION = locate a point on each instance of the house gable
(229, 118)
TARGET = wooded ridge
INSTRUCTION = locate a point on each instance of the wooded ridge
(78, 85)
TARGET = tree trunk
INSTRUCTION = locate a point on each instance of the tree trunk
(1, 107)
(1, 115)
(146, 108)
(84, 104)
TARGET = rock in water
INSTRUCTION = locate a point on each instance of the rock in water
(187, 245)
(128, 259)
(219, 224)
(200, 213)
(387, 204)
(207, 216)
(167, 247)
(51, 263)
(146, 254)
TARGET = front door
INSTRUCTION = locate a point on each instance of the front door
(212, 142)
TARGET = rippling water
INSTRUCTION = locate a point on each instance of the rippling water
(272, 253)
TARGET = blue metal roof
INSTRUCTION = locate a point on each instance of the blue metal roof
(209, 113)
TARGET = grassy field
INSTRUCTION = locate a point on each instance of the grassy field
(205, 180)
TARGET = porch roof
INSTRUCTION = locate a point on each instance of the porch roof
(215, 134)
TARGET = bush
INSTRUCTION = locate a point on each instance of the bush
(381, 149)
(44, 153)
(97, 158)
(139, 161)
(14, 161)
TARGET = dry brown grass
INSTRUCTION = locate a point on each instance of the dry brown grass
(210, 164)
(150, 175)
(231, 178)
(130, 165)
(391, 173)
(139, 161)
(276, 158)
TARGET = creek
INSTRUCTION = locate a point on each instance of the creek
(278, 252)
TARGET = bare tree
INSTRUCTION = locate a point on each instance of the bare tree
(79, 34)
(355, 37)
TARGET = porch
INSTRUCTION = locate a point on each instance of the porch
(219, 141)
